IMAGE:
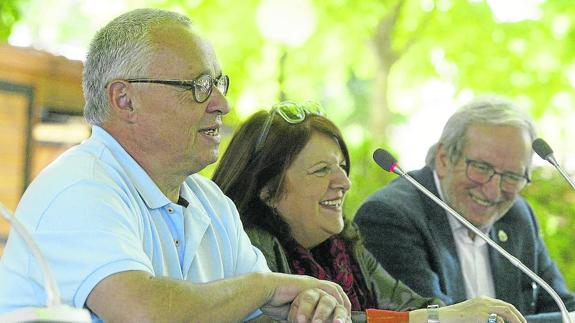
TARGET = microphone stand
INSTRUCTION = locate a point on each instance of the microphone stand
(542, 148)
(562, 171)
(516, 262)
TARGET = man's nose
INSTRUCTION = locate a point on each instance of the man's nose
(217, 102)
(492, 189)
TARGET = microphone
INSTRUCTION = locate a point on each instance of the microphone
(54, 311)
(545, 152)
(386, 161)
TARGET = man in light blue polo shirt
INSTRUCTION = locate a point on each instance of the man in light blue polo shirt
(128, 230)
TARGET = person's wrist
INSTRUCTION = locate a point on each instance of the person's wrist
(418, 316)
(261, 284)
(433, 313)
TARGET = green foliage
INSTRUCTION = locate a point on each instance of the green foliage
(553, 202)
(9, 14)
(366, 177)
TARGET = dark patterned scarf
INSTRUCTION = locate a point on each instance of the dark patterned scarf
(331, 260)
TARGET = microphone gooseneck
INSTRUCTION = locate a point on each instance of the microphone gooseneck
(383, 158)
(546, 153)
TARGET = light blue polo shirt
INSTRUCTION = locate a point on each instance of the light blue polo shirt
(95, 212)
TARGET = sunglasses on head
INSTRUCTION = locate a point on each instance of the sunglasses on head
(291, 112)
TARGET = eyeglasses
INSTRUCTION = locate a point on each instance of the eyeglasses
(201, 87)
(291, 112)
(481, 172)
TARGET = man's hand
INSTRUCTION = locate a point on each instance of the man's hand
(479, 309)
(304, 299)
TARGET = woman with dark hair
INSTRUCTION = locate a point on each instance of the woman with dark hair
(287, 172)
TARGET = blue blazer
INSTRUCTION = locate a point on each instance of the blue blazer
(410, 236)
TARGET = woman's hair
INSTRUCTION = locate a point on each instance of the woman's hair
(242, 173)
(489, 110)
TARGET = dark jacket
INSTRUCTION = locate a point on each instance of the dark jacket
(391, 294)
(410, 236)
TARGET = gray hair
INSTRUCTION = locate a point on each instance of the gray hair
(122, 49)
(490, 110)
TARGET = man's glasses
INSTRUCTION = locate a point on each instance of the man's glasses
(291, 112)
(481, 172)
(201, 87)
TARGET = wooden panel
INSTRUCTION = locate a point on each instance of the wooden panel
(57, 81)
(13, 126)
(29, 81)
(44, 155)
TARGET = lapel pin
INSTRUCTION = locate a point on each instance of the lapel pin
(502, 235)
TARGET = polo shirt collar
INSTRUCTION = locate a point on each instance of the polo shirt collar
(146, 187)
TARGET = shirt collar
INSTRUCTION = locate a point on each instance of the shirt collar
(146, 187)
(453, 223)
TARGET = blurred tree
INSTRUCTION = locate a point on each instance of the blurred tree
(553, 202)
(367, 61)
(9, 14)
(389, 47)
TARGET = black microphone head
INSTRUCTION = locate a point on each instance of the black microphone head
(542, 148)
(386, 161)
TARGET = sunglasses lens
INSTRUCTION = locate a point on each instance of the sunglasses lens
(291, 112)
(313, 107)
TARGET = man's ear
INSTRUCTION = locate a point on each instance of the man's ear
(120, 100)
(441, 161)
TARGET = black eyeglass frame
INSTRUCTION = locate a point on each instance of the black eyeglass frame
(504, 175)
(303, 110)
(192, 85)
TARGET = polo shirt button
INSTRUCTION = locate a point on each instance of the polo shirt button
(177, 242)
(170, 210)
